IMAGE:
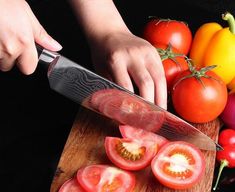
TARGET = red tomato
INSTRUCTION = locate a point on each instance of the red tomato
(199, 98)
(71, 185)
(126, 109)
(99, 96)
(178, 165)
(130, 154)
(227, 137)
(142, 135)
(173, 62)
(166, 31)
(104, 178)
(226, 157)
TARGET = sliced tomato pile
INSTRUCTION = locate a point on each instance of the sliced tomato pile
(126, 109)
(175, 164)
(135, 150)
(178, 165)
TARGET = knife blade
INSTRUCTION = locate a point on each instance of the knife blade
(80, 85)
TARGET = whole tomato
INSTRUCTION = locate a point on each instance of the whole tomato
(167, 31)
(173, 62)
(226, 157)
(199, 96)
(227, 137)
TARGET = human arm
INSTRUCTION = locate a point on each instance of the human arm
(117, 53)
(19, 31)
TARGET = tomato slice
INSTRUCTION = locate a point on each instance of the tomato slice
(99, 96)
(71, 185)
(178, 165)
(142, 135)
(103, 178)
(130, 154)
(126, 109)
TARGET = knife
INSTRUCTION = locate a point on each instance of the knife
(82, 85)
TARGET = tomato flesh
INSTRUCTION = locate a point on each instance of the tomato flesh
(103, 178)
(71, 185)
(142, 135)
(178, 165)
(130, 154)
(126, 109)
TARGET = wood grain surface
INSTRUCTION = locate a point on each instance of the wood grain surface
(84, 146)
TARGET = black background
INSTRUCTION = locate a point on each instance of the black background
(34, 120)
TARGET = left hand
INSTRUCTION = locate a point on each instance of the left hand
(126, 59)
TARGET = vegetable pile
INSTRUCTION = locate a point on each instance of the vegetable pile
(199, 67)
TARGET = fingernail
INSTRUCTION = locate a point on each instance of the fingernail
(56, 45)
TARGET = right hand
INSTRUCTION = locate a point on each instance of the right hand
(19, 31)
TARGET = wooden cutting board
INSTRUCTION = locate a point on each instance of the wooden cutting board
(84, 146)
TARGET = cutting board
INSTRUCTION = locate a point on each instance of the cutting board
(84, 146)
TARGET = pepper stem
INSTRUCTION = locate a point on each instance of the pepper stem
(230, 19)
(223, 163)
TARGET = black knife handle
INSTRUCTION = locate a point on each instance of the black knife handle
(39, 49)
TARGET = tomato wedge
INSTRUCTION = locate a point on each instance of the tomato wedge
(142, 135)
(103, 178)
(71, 185)
(130, 154)
(178, 165)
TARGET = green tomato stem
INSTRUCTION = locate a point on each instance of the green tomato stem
(223, 163)
(231, 22)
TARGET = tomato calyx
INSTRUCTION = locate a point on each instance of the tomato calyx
(165, 20)
(168, 53)
(197, 73)
(223, 163)
(133, 155)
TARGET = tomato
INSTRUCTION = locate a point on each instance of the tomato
(99, 96)
(142, 135)
(226, 157)
(130, 154)
(166, 31)
(199, 96)
(178, 165)
(227, 137)
(173, 62)
(127, 109)
(71, 185)
(102, 178)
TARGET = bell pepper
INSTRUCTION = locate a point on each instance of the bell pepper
(214, 45)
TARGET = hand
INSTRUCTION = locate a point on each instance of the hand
(19, 31)
(123, 57)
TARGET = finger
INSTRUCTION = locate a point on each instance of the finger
(143, 80)
(157, 73)
(7, 63)
(121, 76)
(28, 59)
(41, 36)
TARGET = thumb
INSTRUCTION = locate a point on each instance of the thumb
(41, 37)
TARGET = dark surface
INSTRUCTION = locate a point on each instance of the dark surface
(35, 121)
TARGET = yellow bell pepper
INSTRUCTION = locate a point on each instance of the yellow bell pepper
(214, 45)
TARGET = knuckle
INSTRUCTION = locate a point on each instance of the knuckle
(10, 50)
(146, 81)
(114, 57)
